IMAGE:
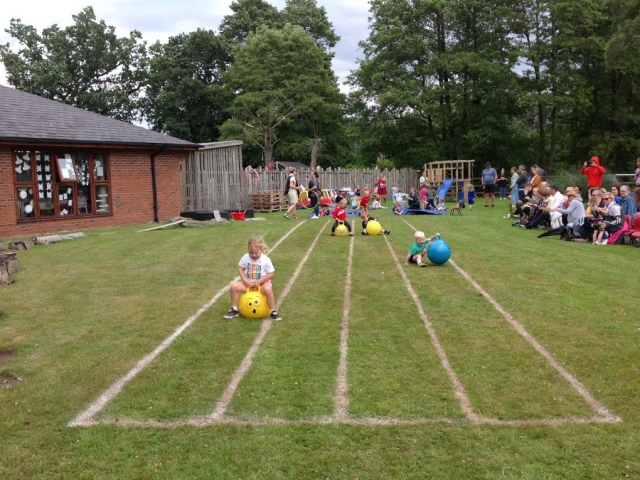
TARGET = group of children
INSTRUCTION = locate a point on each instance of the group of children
(256, 269)
(340, 216)
(424, 199)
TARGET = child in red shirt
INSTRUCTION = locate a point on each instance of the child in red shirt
(340, 215)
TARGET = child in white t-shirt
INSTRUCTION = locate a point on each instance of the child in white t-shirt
(256, 270)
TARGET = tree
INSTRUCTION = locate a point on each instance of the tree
(313, 19)
(85, 65)
(247, 17)
(436, 82)
(282, 79)
(186, 96)
(550, 37)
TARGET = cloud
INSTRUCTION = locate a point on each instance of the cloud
(161, 19)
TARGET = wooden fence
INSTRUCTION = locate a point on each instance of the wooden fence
(213, 179)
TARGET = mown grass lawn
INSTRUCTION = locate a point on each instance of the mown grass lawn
(82, 314)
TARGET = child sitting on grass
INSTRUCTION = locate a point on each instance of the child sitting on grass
(256, 271)
(441, 207)
(366, 219)
(397, 210)
(419, 249)
(376, 203)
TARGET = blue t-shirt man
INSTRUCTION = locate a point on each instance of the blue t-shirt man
(489, 177)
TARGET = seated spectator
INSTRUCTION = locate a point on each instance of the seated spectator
(558, 200)
(592, 217)
(574, 212)
(616, 194)
(523, 208)
(542, 215)
(414, 200)
(612, 220)
(627, 204)
(578, 191)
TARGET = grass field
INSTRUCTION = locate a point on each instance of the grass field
(517, 359)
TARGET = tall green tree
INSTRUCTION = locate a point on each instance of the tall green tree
(186, 95)
(247, 17)
(550, 36)
(86, 65)
(437, 78)
(313, 19)
(282, 78)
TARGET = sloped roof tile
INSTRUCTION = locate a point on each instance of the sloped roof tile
(25, 117)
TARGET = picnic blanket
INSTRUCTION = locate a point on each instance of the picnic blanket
(419, 211)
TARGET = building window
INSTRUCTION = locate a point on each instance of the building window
(52, 184)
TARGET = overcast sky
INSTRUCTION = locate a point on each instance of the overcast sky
(161, 19)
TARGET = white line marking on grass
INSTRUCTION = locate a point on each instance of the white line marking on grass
(241, 371)
(342, 399)
(598, 407)
(353, 421)
(461, 395)
(85, 418)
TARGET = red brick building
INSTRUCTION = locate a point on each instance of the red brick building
(63, 168)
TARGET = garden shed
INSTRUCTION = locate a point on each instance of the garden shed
(64, 168)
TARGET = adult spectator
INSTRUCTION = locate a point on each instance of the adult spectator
(291, 191)
(314, 194)
(414, 200)
(594, 172)
(489, 178)
(627, 204)
(514, 193)
(616, 193)
(523, 179)
(524, 207)
(381, 185)
(612, 220)
(636, 179)
(592, 213)
(558, 198)
(541, 172)
(558, 201)
(578, 193)
(574, 211)
(542, 214)
(502, 184)
(536, 178)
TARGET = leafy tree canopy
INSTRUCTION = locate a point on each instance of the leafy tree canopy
(186, 96)
(247, 17)
(281, 76)
(85, 65)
